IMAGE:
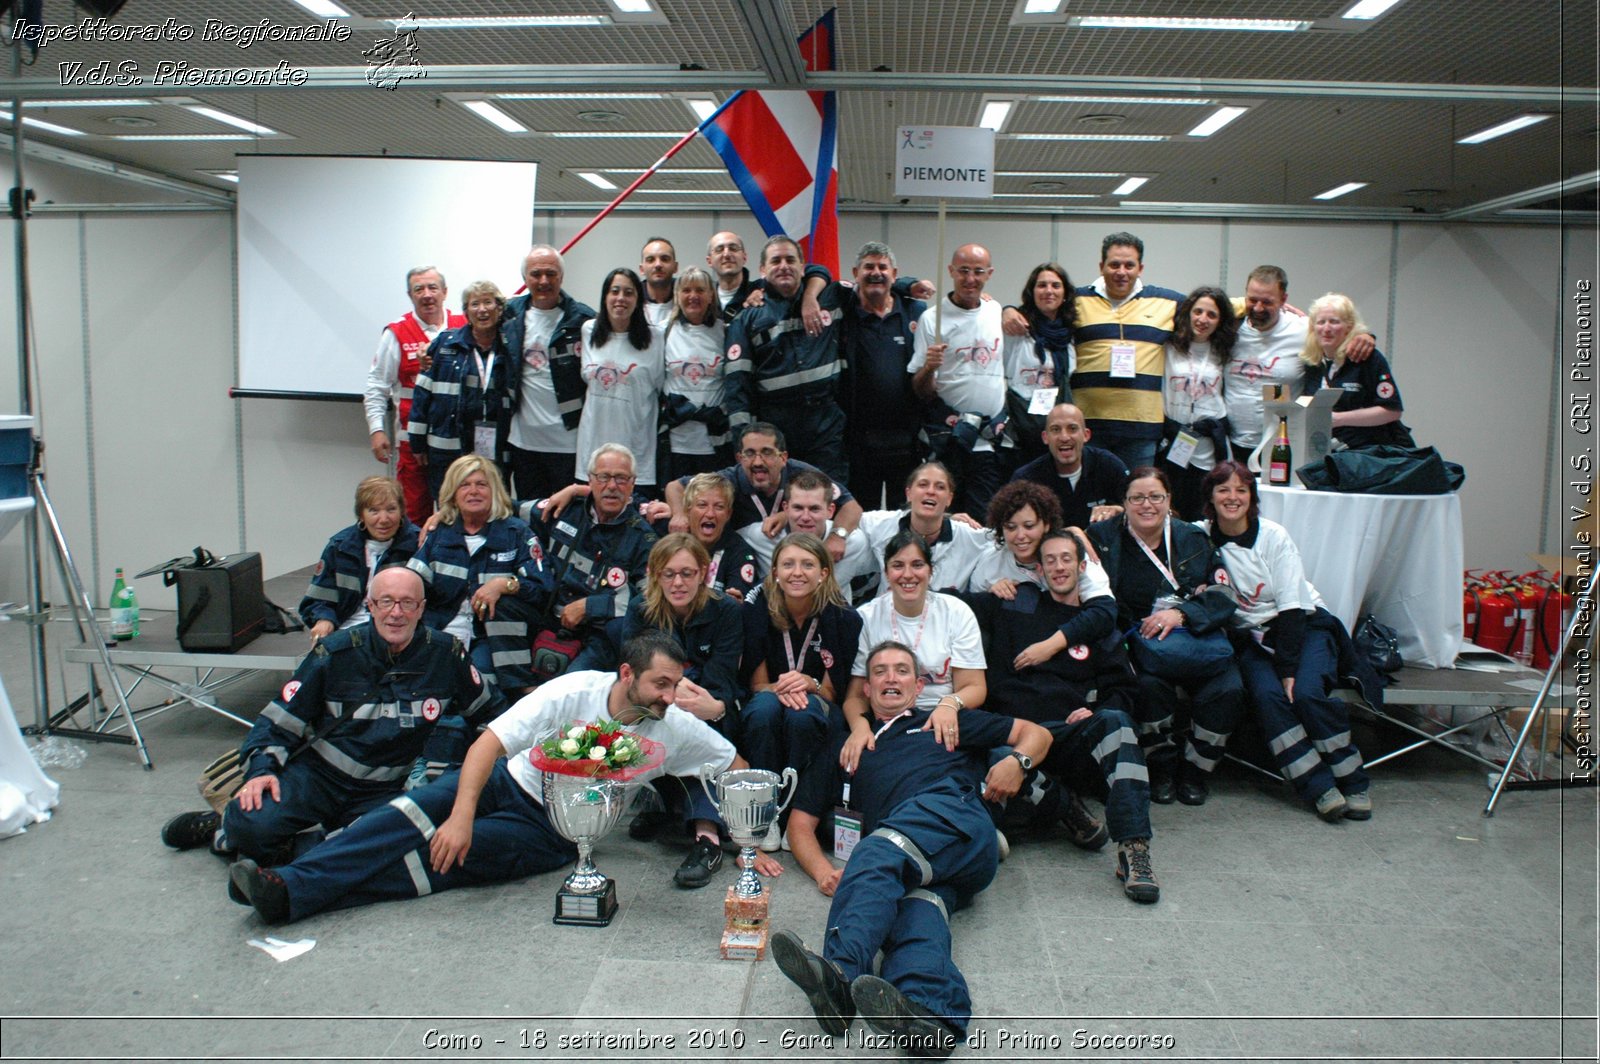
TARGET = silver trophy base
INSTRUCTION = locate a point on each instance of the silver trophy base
(586, 908)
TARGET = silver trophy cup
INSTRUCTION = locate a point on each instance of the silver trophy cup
(747, 801)
(583, 809)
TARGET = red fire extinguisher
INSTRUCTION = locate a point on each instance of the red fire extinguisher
(1551, 618)
(1496, 622)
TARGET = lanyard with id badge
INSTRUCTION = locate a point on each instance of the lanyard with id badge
(846, 821)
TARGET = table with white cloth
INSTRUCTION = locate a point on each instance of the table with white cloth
(1399, 557)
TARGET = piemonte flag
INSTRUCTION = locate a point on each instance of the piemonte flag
(780, 147)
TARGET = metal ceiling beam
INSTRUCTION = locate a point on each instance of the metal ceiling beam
(93, 164)
(671, 79)
(771, 30)
(1564, 187)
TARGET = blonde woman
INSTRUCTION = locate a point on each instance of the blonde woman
(1368, 414)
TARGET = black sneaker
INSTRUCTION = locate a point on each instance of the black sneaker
(825, 987)
(267, 891)
(1083, 828)
(1191, 787)
(916, 1030)
(190, 831)
(1133, 868)
(1162, 789)
(704, 858)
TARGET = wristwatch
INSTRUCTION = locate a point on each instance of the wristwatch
(512, 583)
(842, 533)
(1023, 759)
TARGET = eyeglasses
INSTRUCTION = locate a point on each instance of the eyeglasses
(611, 478)
(387, 604)
(973, 271)
(669, 575)
(1139, 500)
(765, 452)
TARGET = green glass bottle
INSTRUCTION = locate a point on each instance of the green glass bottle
(124, 610)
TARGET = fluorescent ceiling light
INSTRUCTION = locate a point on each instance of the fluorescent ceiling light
(1129, 186)
(1191, 101)
(1141, 22)
(1335, 193)
(87, 103)
(1046, 195)
(232, 120)
(994, 114)
(496, 22)
(180, 136)
(1134, 138)
(1216, 120)
(494, 116)
(1369, 9)
(674, 170)
(633, 7)
(612, 134)
(596, 180)
(702, 108)
(688, 191)
(48, 127)
(322, 9)
(1055, 173)
(1041, 7)
(1519, 122)
(221, 175)
(580, 95)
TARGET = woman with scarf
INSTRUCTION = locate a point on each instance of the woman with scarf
(1039, 364)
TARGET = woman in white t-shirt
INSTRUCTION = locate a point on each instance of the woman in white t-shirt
(1204, 330)
(941, 631)
(623, 370)
(694, 340)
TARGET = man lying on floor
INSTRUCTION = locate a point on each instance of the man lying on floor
(486, 823)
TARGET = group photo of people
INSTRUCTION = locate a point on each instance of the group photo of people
(979, 571)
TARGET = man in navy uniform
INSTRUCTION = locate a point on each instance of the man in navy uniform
(345, 731)
(1049, 661)
(1088, 482)
(928, 845)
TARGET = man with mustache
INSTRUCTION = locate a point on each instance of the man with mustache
(486, 823)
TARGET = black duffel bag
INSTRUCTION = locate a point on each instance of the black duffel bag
(1384, 470)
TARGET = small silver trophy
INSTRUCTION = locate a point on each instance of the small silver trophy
(747, 801)
(584, 809)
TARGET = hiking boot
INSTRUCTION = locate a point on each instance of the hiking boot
(1083, 828)
(1358, 806)
(1331, 805)
(268, 893)
(190, 831)
(889, 1012)
(1133, 868)
(1162, 788)
(705, 857)
(1191, 788)
(823, 984)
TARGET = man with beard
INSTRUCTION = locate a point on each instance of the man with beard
(726, 257)
(1089, 482)
(486, 823)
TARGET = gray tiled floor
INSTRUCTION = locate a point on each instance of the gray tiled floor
(1427, 933)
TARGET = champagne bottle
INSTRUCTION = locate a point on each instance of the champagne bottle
(1278, 463)
(124, 610)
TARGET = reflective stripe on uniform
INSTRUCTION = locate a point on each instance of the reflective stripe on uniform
(419, 874)
(282, 718)
(804, 376)
(349, 581)
(413, 812)
(909, 848)
(1282, 742)
(355, 769)
(322, 594)
(932, 898)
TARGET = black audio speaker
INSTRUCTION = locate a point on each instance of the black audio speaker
(221, 606)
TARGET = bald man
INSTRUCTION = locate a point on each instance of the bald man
(342, 735)
(957, 369)
(1088, 481)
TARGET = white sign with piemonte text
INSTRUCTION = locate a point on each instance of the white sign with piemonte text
(951, 162)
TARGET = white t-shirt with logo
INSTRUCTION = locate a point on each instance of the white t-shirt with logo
(1258, 358)
(973, 377)
(695, 368)
(624, 385)
(537, 425)
(581, 696)
(944, 638)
